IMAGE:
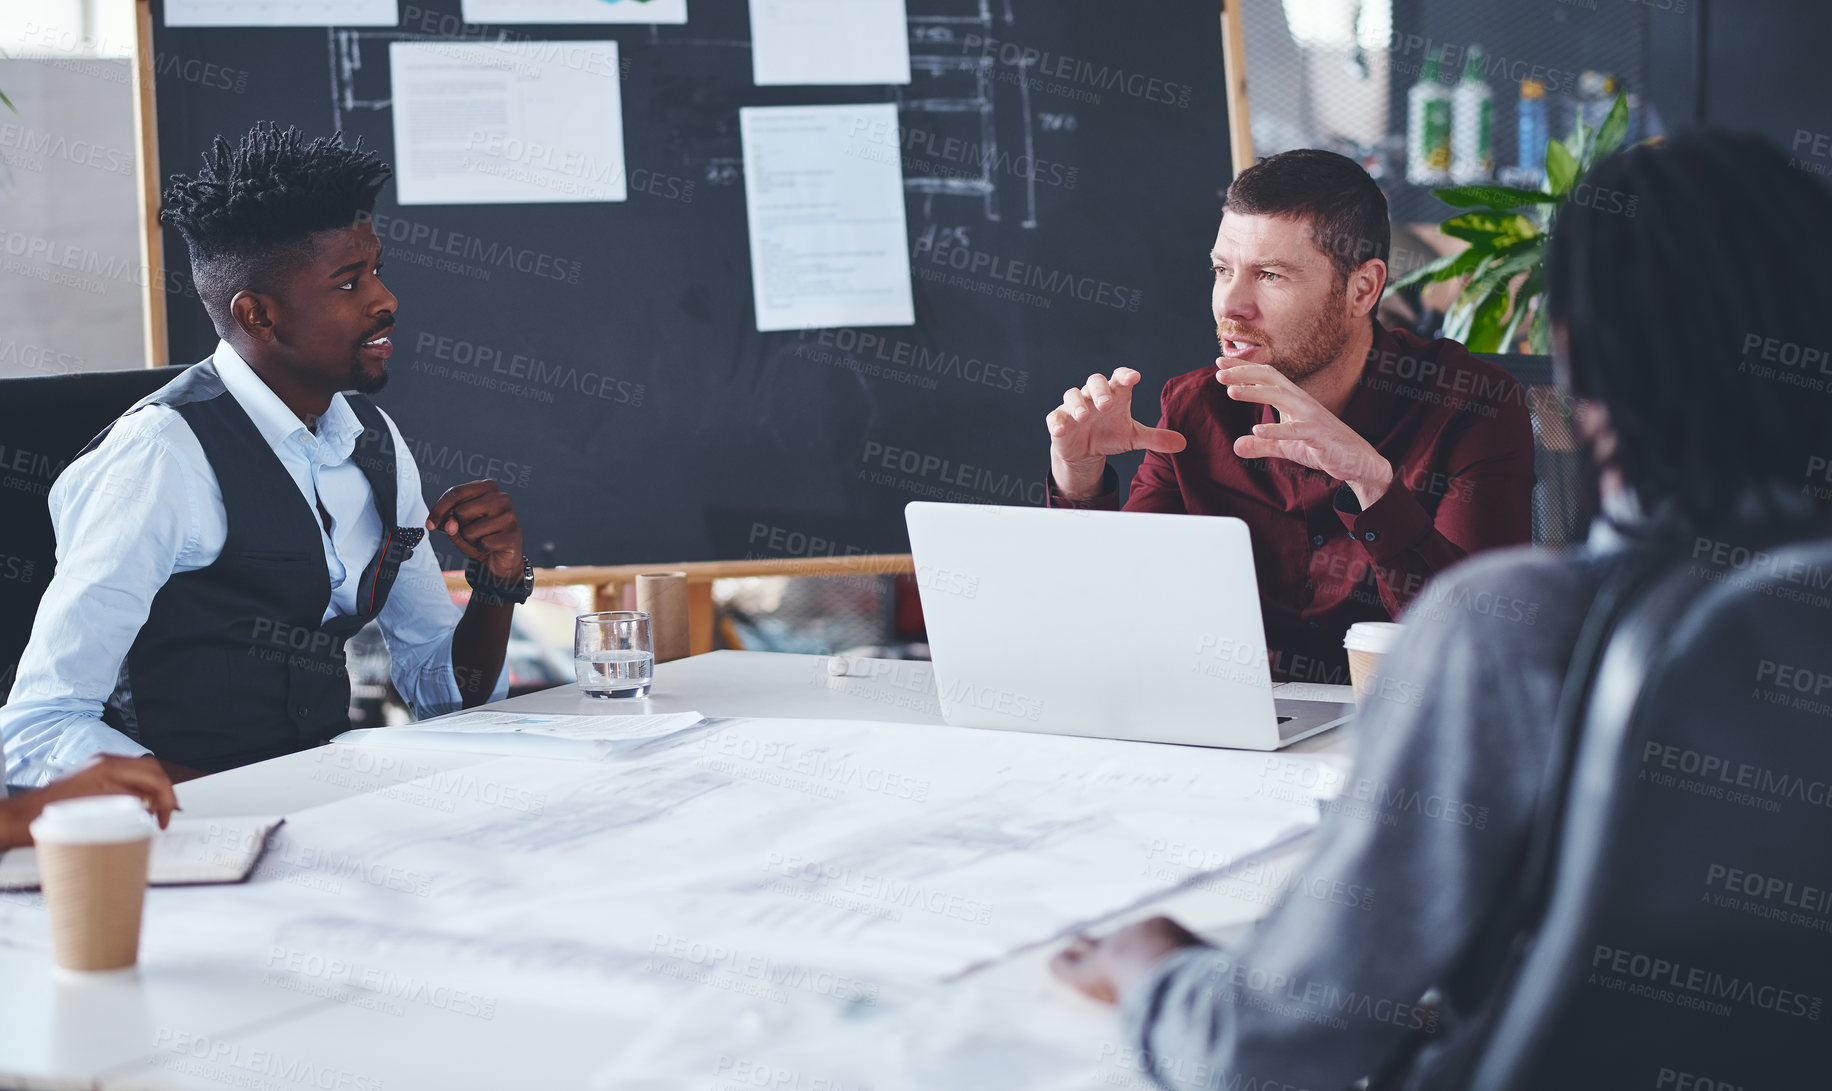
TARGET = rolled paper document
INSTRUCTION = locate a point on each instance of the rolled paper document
(663, 596)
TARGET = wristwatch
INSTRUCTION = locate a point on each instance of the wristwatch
(486, 590)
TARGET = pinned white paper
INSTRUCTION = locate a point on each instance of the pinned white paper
(575, 11)
(507, 122)
(829, 41)
(281, 13)
(829, 246)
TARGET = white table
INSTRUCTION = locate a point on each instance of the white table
(108, 1034)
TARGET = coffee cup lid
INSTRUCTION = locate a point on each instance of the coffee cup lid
(1372, 636)
(94, 820)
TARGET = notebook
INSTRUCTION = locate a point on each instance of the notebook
(190, 850)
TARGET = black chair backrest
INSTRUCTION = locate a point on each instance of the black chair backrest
(44, 423)
(1564, 497)
(1687, 938)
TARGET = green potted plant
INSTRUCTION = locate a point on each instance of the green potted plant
(1507, 230)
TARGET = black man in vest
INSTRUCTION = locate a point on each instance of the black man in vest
(221, 540)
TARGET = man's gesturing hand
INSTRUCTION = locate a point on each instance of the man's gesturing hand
(1306, 433)
(480, 519)
(1095, 421)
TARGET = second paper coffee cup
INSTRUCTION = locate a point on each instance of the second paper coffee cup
(1366, 643)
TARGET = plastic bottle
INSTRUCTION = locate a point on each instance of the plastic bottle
(1428, 128)
(1472, 125)
(1533, 131)
(1596, 95)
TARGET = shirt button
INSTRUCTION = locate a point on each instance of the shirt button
(302, 710)
(1317, 539)
(1312, 624)
(1369, 536)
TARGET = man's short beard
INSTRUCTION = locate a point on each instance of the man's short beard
(1318, 345)
(363, 383)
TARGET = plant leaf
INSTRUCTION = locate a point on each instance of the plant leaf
(1539, 335)
(1524, 298)
(1462, 317)
(1561, 168)
(1521, 256)
(1613, 129)
(1448, 267)
(1579, 143)
(1490, 228)
(1482, 306)
(1487, 320)
(1463, 310)
(1494, 197)
(1488, 295)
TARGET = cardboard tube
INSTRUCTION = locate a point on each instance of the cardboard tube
(663, 596)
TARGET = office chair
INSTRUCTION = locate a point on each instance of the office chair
(44, 422)
(1686, 936)
(1564, 494)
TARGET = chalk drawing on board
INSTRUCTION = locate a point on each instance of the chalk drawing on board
(951, 91)
(948, 86)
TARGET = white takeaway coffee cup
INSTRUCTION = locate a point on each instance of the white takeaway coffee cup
(1366, 643)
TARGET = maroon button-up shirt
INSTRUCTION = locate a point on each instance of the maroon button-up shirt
(1459, 436)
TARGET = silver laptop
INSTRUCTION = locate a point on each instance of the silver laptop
(1121, 625)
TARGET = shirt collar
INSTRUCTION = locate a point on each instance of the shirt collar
(337, 429)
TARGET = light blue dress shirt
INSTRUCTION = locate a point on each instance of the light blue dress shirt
(144, 505)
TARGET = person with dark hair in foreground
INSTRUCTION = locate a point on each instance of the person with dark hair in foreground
(1364, 460)
(219, 543)
(1694, 441)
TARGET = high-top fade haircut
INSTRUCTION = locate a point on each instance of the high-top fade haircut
(253, 208)
(1345, 207)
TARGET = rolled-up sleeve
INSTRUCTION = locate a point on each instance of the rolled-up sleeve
(419, 617)
(125, 519)
(1486, 503)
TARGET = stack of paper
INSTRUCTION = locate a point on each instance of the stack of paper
(835, 859)
(588, 738)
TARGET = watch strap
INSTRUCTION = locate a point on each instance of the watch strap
(486, 589)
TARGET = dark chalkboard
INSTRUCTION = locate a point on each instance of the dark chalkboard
(602, 359)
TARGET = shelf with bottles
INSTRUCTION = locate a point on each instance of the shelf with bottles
(1455, 133)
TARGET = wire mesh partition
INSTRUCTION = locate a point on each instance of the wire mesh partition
(1426, 92)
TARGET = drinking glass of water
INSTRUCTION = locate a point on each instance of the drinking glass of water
(614, 653)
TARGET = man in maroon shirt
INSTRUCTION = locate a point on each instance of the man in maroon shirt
(1364, 460)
